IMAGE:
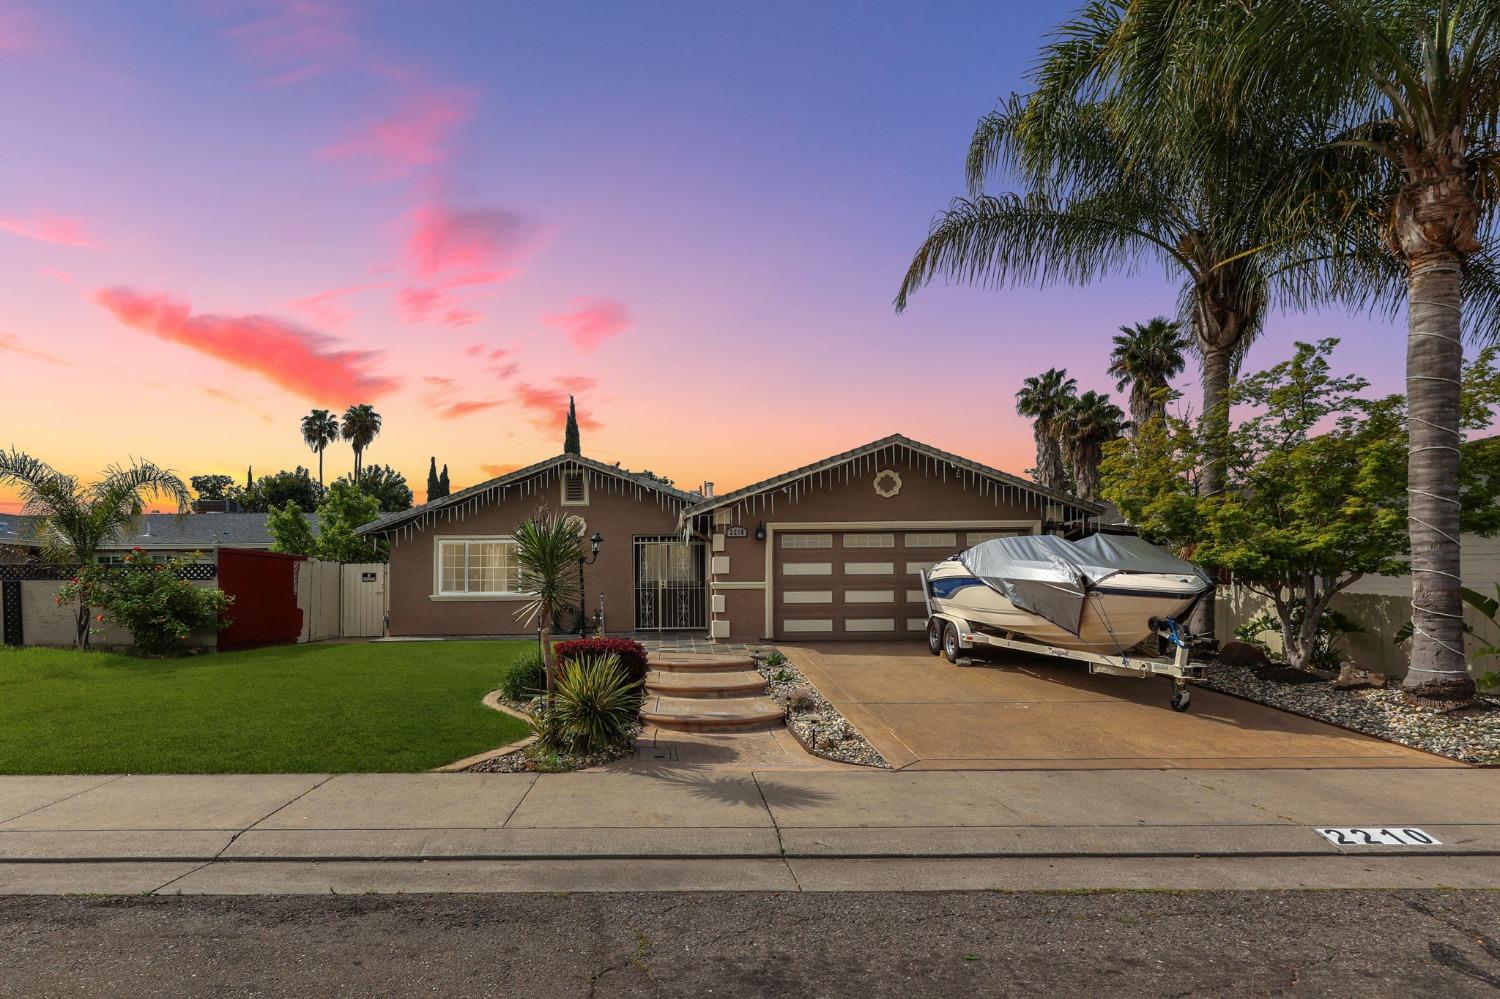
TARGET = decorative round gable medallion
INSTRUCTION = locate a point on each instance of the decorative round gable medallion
(887, 482)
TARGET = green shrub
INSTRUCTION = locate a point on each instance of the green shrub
(525, 676)
(594, 705)
(152, 601)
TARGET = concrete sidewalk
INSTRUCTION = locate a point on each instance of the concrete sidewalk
(680, 829)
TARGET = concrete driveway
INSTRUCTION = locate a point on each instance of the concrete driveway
(1030, 712)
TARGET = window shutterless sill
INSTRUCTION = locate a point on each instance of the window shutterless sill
(474, 597)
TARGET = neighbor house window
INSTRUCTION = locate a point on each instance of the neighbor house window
(478, 567)
(575, 489)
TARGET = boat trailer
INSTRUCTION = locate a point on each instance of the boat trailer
(951, 636)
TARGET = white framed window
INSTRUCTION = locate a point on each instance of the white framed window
(932, 539)
(869, 541)
(807, 541)
(575, 488)
(485, 567)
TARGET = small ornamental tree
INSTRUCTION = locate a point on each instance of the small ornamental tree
(1315, 494)
(290, 531)
(345, 509)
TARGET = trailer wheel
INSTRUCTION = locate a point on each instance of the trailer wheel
(935, 635)
(950, 643)
(1181, 700)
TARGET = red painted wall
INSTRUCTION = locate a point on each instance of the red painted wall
(264, 587)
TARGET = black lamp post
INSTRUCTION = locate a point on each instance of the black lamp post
(583, 610)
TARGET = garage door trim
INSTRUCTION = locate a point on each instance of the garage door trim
(1034, 526)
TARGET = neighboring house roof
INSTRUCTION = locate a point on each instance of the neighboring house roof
(486, 490)
(894, 441)
(189, 531)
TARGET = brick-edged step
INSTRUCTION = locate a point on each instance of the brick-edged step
(702, 714)
(687, 662)
(745, 683)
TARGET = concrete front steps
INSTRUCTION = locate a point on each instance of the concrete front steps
(688, 693)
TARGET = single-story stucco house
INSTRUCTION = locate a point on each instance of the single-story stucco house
(827, 551)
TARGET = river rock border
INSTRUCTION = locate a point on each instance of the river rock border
(812, 720)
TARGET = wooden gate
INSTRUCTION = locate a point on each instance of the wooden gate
(363, 599)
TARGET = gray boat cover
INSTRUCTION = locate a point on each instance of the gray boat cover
(1050, 576)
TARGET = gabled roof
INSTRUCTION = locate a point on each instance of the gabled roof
(187, 531)
(893, 441)
(393, 521)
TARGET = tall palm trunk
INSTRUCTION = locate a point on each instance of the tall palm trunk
(1049, 461)
(1216, 378)
(320, 468)
(1434, 366)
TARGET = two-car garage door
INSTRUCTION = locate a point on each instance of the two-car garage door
(860, 584)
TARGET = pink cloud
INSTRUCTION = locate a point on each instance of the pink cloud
(549, 407)
(495, 471)
(465, 407)
(50, 229)
(476, 241)
(297, 359)
(10, 344)
(299, 39)
(577, 383)
(592, 321)
(460, 317)
(416, 133)
(325, 307)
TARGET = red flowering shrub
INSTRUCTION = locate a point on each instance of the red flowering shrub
(632, 655)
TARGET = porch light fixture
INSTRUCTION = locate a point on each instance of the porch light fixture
(583, 609)
(760, 531)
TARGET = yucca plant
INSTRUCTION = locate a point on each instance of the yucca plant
(548, 549)
(595, 704)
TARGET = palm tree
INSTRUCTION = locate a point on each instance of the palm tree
(1402, 106)
(76, 520)
(1147, 356)
(1088, 424)
(1044, 398)
(320, 428)
(548, 550)
(1112, 184)
(361, 426)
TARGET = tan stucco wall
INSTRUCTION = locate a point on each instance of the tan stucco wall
(1381, 616)
(924, 498)
(43, 622)
(619, 516)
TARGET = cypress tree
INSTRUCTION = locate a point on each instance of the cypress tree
(434, 489)
(570, 435)
(443, 481)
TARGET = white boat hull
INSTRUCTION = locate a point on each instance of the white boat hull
(1115, 617)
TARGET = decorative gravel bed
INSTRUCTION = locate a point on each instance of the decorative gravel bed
(811, 719)
(1470, 734)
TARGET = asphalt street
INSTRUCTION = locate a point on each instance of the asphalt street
(1275, 943)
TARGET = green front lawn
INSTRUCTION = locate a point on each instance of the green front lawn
(387, 706)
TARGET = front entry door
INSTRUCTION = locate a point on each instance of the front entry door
(670, 589)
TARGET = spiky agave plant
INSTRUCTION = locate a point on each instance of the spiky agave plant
(596, 703)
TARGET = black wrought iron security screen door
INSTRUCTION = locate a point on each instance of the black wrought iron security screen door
(670, 589)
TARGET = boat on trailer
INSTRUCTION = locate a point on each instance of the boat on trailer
(1093, 601)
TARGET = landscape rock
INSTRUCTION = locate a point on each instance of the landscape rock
(1353, 677)
(1244, 655)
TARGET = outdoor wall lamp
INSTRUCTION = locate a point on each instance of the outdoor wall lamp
(760, 531)
(583, 607)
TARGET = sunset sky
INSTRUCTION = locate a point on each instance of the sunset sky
(215, 215)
